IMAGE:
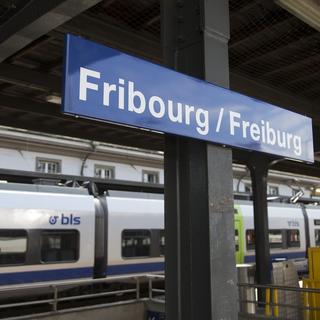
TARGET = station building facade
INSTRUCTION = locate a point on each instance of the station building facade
(39, 152)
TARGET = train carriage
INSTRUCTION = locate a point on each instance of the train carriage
(42, 235)
(287, 233)
(51, 234)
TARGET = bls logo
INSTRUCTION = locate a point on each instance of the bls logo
(65, 219)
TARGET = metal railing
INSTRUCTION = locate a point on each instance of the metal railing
(55, 296)
(273, 301)
(160, 297)
(283, 302)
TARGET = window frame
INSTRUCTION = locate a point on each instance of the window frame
(273, 188)
(76, 231)
(289, 242)
(250, 246)
(285, 243)
(137, 257)
(249, 187)
(104, 167)
(277, 245)
(25, 252)
(316, 230)
(162, 233)
(156, 173)
(58, 161)
(237, 240)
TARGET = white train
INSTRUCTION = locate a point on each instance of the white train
(56, 233)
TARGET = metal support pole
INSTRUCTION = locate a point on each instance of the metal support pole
(137, 288)
(258, 165)
(55, 298)
(200, 261)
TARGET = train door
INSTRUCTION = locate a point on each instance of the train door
(239, 236)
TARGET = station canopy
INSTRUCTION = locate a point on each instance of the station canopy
(274, 55)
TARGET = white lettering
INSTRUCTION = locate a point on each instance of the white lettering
(131, 98)
(107, 88)
(233, 123)
(84, 84)
(125, 96)
(271, 135)
(255, 132)
(172, 117)
(160, 103)
(203, 124)
(245, 126)
(121, 95)
(297, 145)
(289, 137)
(188, 110)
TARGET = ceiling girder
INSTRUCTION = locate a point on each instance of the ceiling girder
(274, 96)
(275, 52)
(266, 29)
(35, 20)
(71, 126)
(108, 33)
(102, 184)
(29, 78)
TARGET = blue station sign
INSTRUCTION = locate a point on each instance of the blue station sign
(105, 84)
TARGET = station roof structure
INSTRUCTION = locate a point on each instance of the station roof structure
(274, 55)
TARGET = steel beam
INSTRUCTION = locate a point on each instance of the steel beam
(31, 111)
(294, 66)
(261, 91)
(258, 165)
(36, 19)
(266, 28)
(200, 261)
(102, 184)
(276, 52)
(29, 78)
(108, 33)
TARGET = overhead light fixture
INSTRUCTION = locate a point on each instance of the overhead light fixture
(306, 10)
(315, 191)
(53, 99)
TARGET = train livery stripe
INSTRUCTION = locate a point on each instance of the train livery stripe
(45, 275)
(134, 268)
(284, 255)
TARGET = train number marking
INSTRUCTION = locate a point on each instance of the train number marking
(293, 223)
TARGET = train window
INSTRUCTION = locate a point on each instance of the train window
(293, 237)
(136, 243)
(13, 247)
(162, 242)
(236, 231)
(316, 222)
(317, 237)
(275, 238)
(250, 239)
(59, 245)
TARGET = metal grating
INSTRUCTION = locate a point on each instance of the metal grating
(271, 45)
(268, 45)
(9, 8)
(139, 15)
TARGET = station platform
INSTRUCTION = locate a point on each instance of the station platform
(143, 298)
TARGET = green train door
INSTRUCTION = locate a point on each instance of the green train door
(238, 231)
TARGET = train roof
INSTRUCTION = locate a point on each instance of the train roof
(42, 188)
